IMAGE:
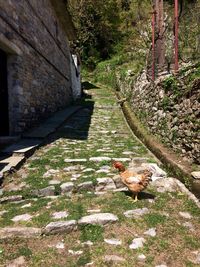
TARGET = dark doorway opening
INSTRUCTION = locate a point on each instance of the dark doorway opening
(4, 118)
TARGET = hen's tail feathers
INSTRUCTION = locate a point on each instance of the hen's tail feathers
(147, 177)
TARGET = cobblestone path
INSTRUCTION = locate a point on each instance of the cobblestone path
(67, 207)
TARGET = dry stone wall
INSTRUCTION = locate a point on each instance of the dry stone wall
(39, 74)
(173, 117)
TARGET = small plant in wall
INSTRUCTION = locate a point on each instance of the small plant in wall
(174, 135)
(170, 85)
(165, 103)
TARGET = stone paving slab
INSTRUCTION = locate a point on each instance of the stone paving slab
(10, 162)
(25, 232)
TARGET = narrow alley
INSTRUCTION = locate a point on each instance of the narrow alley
(66, 206)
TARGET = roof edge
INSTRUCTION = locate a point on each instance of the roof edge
(60, 7)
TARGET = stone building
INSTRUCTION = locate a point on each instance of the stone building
(36, 67)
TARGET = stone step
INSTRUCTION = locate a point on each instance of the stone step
(9, 163)
(24, 147)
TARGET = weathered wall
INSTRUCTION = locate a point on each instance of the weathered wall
(75, 77)
(39, 72)
(172, 117)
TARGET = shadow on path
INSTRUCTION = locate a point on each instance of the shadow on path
(141, 195)
(87, 85)
(77, 126)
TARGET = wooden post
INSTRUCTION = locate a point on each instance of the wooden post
(159, 29)
(153, 44)
(161, 52)
(176, 36)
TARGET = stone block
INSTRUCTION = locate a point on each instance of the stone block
(60, 227)
(105, 184)
(99, 218)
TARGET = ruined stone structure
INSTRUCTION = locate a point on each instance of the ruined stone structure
(36, 64)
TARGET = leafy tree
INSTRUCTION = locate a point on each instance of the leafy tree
(189, 30)
(105, 27)
(125, 5)
(97, 23)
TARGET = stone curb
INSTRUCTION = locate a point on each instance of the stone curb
(179, 170)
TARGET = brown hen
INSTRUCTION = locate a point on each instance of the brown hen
(136, 182)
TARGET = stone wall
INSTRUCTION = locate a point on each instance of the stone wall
(75, 77)
(39, 71)
(171, 116)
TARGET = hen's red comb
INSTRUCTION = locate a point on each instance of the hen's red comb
(117, 164)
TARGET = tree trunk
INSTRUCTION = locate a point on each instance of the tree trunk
(159, 42)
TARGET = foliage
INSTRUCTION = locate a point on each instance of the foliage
(189, 31)
(120, 31)
(194, 75)
(165, 103)
(109, 27)
(170, 84)
(97, 24)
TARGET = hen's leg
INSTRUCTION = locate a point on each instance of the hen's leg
(135, 197)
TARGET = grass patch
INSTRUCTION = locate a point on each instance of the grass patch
(154, 219)
(25, 251)
(83, 260)
(93, 233)
(192, 208)
(192, 242)
(165, 103)
(42, 219)
(190, 264)
(75, 207)
(163, 245)
(161, 200)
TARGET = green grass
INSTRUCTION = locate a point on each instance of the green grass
(192, 208)
(190, 264)
(93, 233)
(75, 208)
(192, 242)
(41, 220)
(163, 245)
(154, 219)
(194, 75)
(44, 258)
(83, 260)
(25, 251)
